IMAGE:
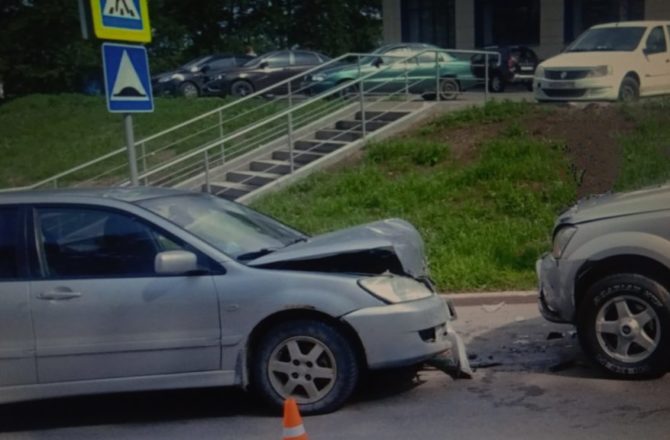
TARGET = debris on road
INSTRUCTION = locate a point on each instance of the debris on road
(490, 308)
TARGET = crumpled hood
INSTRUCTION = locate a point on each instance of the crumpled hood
(359, 246)
(619, 204)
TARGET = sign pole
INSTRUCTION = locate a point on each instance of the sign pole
(130, 143)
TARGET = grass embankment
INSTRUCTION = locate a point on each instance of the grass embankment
(42, 135)
(485, 200)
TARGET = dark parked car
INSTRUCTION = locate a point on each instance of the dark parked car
(516, 64)
(189, 80)
(264, 71)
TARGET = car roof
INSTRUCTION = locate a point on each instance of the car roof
(645, 23)
(131, 195)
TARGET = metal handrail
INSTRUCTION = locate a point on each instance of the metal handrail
(287, 112)
(221, 140)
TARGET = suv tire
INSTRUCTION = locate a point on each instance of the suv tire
(624, 326)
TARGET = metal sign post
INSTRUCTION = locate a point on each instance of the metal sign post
(130, 143)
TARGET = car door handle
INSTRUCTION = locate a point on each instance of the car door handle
(58, 294)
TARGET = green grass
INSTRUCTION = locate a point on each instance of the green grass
(43, 135)
(646, 151)
(484, 222)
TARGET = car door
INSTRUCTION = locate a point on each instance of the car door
(394, 71)
(17, 342)
(275, 68)
(657, 62)
(99, 309)
(302, 61)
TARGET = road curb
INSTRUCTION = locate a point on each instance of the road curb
(478, 299)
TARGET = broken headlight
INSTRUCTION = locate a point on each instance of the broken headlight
(561, 240)
(395, 289)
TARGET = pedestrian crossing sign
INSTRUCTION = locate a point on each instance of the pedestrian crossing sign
(125, 20)
(127, 78)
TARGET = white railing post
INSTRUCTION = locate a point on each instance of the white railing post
(208, 188)
(406, 82)
(486, 77)
(361, 98)
(56, 183)
(223, 150)
(437, 76)
(144, 161)
(290, 141)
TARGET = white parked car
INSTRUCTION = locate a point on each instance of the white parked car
(616, 61)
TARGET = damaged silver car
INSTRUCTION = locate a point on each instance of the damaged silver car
(145, 288)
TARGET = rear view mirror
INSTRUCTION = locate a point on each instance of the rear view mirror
(175, 263)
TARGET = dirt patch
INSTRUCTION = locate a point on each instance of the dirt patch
(591, 138)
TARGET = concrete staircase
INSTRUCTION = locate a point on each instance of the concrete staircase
(266, 166)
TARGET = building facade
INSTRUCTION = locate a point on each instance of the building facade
(544, 25)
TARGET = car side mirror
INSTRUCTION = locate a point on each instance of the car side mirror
(264, 65)
(205, 69)
(378, 62)
(175, 263)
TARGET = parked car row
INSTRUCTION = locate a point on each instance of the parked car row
(228, 74)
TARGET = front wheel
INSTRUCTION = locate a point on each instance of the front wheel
(310, 361)
(629, 91)
(624, 326)
(241, 88)
(449, 89)
(189, 90)
(497, 84)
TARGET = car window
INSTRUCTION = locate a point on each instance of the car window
(306, 59)
(280, 59)
(9, 243)
(221, 63)
(83, 242)
(656, 41)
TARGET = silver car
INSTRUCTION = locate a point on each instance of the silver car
(609, 273)
(137, 289)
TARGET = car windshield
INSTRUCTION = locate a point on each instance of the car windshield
(608, 40)
(238, 231)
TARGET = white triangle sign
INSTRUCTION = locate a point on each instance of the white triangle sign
(121, 9)
(127, 86)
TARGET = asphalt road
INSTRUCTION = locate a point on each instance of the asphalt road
(526, 386)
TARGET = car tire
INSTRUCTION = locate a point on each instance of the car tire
(294, 353)
(449, 89)
(188, 90)
(629, 91)
(623, 325)
(241, 88)
(348, 92)
(497, 84)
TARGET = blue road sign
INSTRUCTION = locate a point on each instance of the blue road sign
(127, 79)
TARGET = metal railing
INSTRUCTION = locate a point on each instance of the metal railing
(199, 146)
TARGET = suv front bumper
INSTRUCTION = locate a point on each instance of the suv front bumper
(555, 290)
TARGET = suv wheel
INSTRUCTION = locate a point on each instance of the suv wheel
(624, 326)
(310, 361)
(496, 84)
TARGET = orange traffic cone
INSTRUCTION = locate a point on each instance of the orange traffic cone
(293, 427)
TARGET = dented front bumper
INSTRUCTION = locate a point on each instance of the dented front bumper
(408, 333)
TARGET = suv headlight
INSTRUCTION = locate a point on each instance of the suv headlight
(561, 240)
(599, 71)
(539, 72)
(395, 289)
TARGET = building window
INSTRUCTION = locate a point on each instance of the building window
(582, 14)
(429, 21)
(507, 22)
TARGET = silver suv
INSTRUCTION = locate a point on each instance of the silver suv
(609, 274)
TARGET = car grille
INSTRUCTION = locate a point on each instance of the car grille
(567, 93)
(566, 74)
